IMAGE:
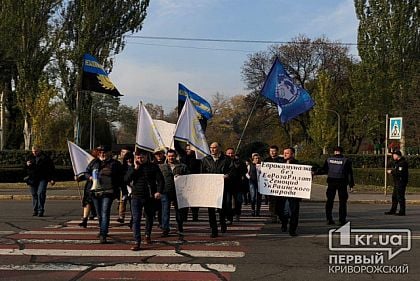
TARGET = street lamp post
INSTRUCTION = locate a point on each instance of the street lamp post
(338, 125)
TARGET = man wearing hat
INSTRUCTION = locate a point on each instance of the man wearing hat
(109, 176)
(340, 175)
(400, 175)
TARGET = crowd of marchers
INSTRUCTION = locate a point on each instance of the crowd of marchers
(143, 184)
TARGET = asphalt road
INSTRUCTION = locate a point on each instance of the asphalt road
(268, 254)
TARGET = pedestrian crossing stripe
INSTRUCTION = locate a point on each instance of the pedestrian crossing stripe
(121, 253)
(123, 267)
(166, 242)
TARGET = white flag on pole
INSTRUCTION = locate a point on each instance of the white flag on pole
(188, 129)
(147, 136)
(166, 131)
(80, 159)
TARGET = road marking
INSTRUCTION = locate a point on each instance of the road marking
(77, 241)
(124, 267)
(120, 253)
(7, 232)
(205, 232)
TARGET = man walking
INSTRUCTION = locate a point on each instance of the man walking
(400, 175)
(294, 203)
(217, 163)
(274, 157)
(40, 170)
(107, 172)
(147, 186)
(171, 169)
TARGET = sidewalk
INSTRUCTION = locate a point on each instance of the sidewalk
(317, 195)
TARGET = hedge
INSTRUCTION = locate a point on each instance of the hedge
(368, 176)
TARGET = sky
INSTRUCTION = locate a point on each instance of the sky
(149, 70)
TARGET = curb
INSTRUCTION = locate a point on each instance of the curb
(75, 197)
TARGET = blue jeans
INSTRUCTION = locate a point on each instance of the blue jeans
(137, 205)
(103, 209)
(255, 197)
(39, 195)
(166, 200)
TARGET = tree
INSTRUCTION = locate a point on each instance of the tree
(389, 47)
(30, 49)
(304, 59)
(97, 28)
(320, 126)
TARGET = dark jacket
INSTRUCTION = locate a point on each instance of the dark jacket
(253, 175)
(400, 172)
(41, 168)
(194, 165)
(223, 165)
(238, 181)
(168, 175)
(278, 159)
(147, 180)
(339, 170)
(110, 176)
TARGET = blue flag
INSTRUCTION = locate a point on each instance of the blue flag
(200, 104)
(95, 78)
(291, 99)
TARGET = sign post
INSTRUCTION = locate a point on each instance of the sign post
(393, 132)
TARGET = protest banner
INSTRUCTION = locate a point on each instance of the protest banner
(288, 180)
(199, 190)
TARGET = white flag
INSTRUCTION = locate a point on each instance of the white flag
(166, 131)
(147, 136)
(188, 129)
(80, 159)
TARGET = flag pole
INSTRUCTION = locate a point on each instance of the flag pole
(386, 152)
(80, 194)
(246, 124)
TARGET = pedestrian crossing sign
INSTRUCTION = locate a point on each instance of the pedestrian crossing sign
(395, 128)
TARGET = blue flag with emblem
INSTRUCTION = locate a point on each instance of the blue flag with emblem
(200, 104)
(95, 78)
(291, 99)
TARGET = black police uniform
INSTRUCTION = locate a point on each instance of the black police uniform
(340, 174)
(400, 176)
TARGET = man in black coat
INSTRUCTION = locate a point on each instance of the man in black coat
(293, 203)
(148, 184)
(40, 170)
(273, 157)
(217, 163)
(400, 175)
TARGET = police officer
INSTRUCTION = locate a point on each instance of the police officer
(400, 175)
(340, 175)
